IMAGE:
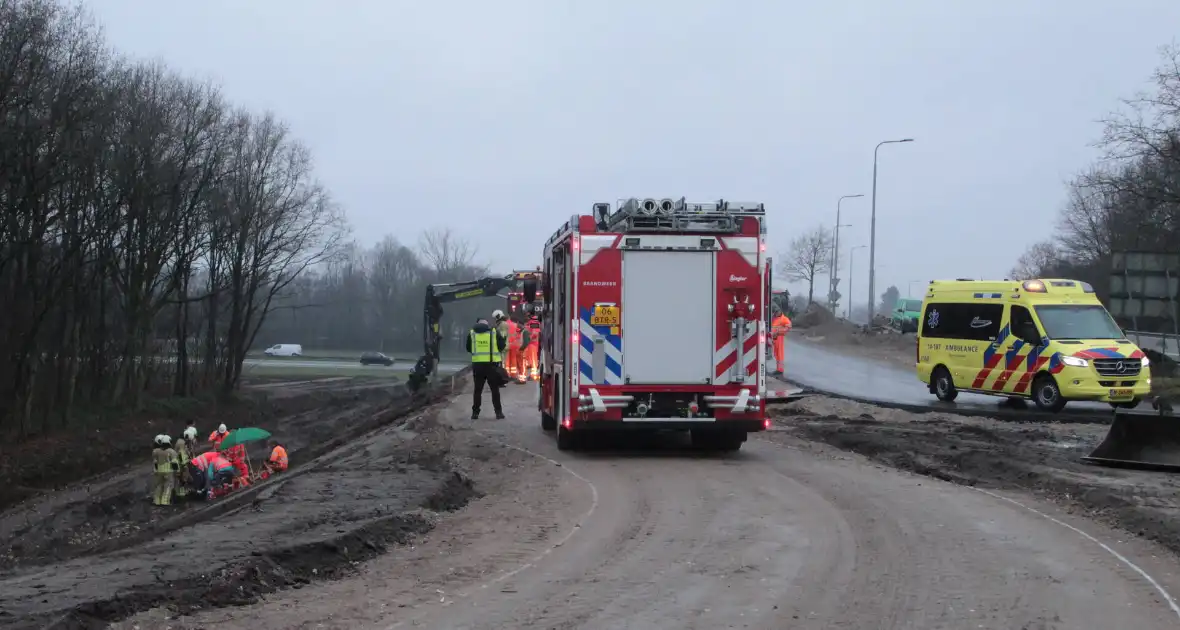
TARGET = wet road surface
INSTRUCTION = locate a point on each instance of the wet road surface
(815, 367)
(774, 537)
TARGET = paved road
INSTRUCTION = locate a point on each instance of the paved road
(443, 368)
(813, 366)
(782, 537)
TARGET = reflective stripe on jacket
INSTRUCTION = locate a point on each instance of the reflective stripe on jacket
(485, 347)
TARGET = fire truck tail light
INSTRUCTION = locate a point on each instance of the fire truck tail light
(762, 338)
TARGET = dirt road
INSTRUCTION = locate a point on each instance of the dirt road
(786, 534)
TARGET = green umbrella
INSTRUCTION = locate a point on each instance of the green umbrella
(242, 436)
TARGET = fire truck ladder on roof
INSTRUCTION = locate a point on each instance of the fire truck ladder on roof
(668, 215)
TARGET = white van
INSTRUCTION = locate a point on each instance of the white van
(284, 350)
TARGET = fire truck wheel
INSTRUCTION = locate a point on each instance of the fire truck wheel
(566, 440)
(548, 422)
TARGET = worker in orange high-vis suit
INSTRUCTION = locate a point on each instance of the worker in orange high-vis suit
(217, 436)
(277, 462)
(236, 455)
(532, 353)
(779, 327)
(512, 360)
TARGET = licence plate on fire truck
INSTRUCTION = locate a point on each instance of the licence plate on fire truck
(605, 316)
(1121, 394)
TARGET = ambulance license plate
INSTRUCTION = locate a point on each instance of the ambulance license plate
(1122, 394)
(605, 316)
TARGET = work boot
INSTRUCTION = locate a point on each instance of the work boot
(475, 415)
(499, 415)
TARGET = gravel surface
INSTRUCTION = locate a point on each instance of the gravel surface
(789, 533)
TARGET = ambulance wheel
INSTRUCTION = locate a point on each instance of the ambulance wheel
(1047, 395)
(943, 385)
(548, 422)
(566, 439)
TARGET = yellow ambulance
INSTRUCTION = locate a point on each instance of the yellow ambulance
(1049, 340)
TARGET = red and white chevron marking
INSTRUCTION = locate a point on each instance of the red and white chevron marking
(727, 355)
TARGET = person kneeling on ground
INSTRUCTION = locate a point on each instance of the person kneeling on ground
(486, 347)
(212, 472)
(277, 462)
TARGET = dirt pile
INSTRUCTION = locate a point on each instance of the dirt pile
(114, 511)
(99, 443)
(1041, 459)
(814, 315)
(343, 501)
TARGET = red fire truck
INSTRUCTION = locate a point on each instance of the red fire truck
(654, 318)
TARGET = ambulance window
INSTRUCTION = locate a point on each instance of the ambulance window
(1023, 325)
(971, 321)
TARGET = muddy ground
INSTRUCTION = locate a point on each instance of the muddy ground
(96, 443)
(93, 554)
(1042, 459)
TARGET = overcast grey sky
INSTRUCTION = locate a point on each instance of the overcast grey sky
(502, 119)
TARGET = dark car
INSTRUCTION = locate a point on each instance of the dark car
(375, 358)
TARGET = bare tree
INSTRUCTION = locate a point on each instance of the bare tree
(446, 253)
(808, 257)
(1131, 200)
(1041, 260)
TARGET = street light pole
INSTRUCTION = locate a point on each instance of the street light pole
(836, 251)
(851, 258)
(873, 230)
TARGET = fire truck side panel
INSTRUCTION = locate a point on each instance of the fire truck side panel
(667, 314)
(600, 347)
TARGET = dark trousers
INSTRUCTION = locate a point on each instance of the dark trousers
(485, 373)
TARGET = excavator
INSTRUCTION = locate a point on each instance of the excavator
(520, 288)
(1141, 440)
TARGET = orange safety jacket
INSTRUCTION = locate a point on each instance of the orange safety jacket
(278, 458)
(515, 336)
(216, 438)
(780, 326)
(534, 333)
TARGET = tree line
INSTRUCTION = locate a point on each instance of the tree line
(372, 299)
(150, 229)
(1127, 201)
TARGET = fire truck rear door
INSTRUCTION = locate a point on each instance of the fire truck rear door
(668, 309)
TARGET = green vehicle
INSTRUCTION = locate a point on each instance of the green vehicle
(905, 315)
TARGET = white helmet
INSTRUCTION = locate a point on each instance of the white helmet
(498, 314)
(159, 439)
(190, 433)
(221, 428)
(165, 440)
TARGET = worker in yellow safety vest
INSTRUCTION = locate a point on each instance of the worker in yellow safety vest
(486, 347)
(165, 465)
(779, 327)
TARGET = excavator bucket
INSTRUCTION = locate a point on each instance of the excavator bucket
(1145, 441)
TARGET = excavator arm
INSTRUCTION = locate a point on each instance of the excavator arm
(432, 312)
